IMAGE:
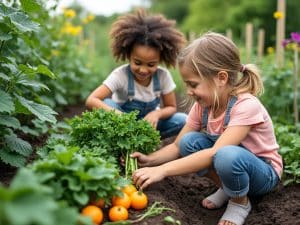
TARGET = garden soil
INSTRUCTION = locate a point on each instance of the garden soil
(184, 194)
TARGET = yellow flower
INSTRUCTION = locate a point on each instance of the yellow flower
(270, 50)
(278, 15)
(88, 19)
(70, 13)
(69, 28)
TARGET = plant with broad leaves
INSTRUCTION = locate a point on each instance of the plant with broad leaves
(26, 201)
(19, 86)
(75, 178)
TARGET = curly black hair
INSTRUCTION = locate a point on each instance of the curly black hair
(149, 30)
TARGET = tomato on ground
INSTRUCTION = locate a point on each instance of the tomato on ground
(123, 200)
(129, 189)
(94, 212)
(118, 213)
(139, 200)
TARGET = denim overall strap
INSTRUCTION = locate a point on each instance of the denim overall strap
(156, 85)
(130, 84)
(232, 100)
(204, 119)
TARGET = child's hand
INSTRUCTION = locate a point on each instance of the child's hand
(152, 118)
(143, 177)
(143, 160)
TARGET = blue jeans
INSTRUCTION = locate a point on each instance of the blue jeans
(240, 171)
(167, 127)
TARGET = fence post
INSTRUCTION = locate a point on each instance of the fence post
(249, 41)
(260, 44)
(229, 33)
(280, 30)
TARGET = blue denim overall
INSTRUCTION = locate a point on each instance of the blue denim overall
(167, 127)
(240, 171)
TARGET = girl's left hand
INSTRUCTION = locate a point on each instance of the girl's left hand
(152, 118)
(143, 177)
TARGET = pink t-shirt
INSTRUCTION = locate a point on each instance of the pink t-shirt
(247, 110)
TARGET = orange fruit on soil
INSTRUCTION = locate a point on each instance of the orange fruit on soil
(129, 189)
(118, 213)
(123, 200)
(138, 200)
(94, 212)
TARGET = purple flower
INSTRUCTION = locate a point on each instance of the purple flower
(295, 36)
(286, 42)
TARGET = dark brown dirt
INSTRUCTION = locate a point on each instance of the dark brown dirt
(184, 194)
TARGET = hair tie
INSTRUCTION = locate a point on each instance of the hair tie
(243, 68)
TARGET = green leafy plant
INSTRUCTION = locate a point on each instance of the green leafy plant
(76, 178)
(289, 141)
(19, 86)
(27, 202)
(120, 134)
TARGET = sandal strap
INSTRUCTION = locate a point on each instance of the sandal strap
(236, 213)
(219, 198)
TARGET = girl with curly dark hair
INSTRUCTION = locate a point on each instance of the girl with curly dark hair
(145, 41)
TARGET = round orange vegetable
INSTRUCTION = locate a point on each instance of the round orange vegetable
(123, 200)
(118, 213)
(138, 200)
(94, 212)
(129, 189)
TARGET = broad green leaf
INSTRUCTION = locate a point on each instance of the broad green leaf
(31, 6)
(4, 77)
(12, 158)
(23, 22)
(32, 83)
(81, 197)
(18, 145)
(6, 102)
(45, 71)
(43, 112)
(34, 208)
(5, 36)
(10, 121)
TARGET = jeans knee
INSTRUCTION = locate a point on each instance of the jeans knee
(185, 144)
(225, 157)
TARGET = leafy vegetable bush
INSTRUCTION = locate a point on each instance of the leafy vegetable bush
(19, 86)
(76, 178)
(27, 202)
(119, 134)
(289, 141)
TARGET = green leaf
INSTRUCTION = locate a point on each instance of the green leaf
(45, 71)
(23, 22)
(43, 112)
(32, 83)
(81, 197)
(10, 121)
(4, 77)
(5, 36)
(6, 102)
(31, 6)
(12, 158)
(18, 145)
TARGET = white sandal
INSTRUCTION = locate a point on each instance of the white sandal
(236, 213)
(219, 198)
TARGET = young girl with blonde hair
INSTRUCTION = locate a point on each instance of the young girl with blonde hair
(228, 136)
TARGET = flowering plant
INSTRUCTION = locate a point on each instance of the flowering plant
(293, 41)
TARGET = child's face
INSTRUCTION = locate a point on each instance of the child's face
(144, 61)
(197, 87)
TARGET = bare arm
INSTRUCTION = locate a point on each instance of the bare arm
(165, 154)
(192, 163)
(95, 99)
(168, 109)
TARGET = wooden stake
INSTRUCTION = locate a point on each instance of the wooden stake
(280, 33)
(260, 44)
(249, 41)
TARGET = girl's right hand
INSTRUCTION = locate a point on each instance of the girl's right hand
(143, 160)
